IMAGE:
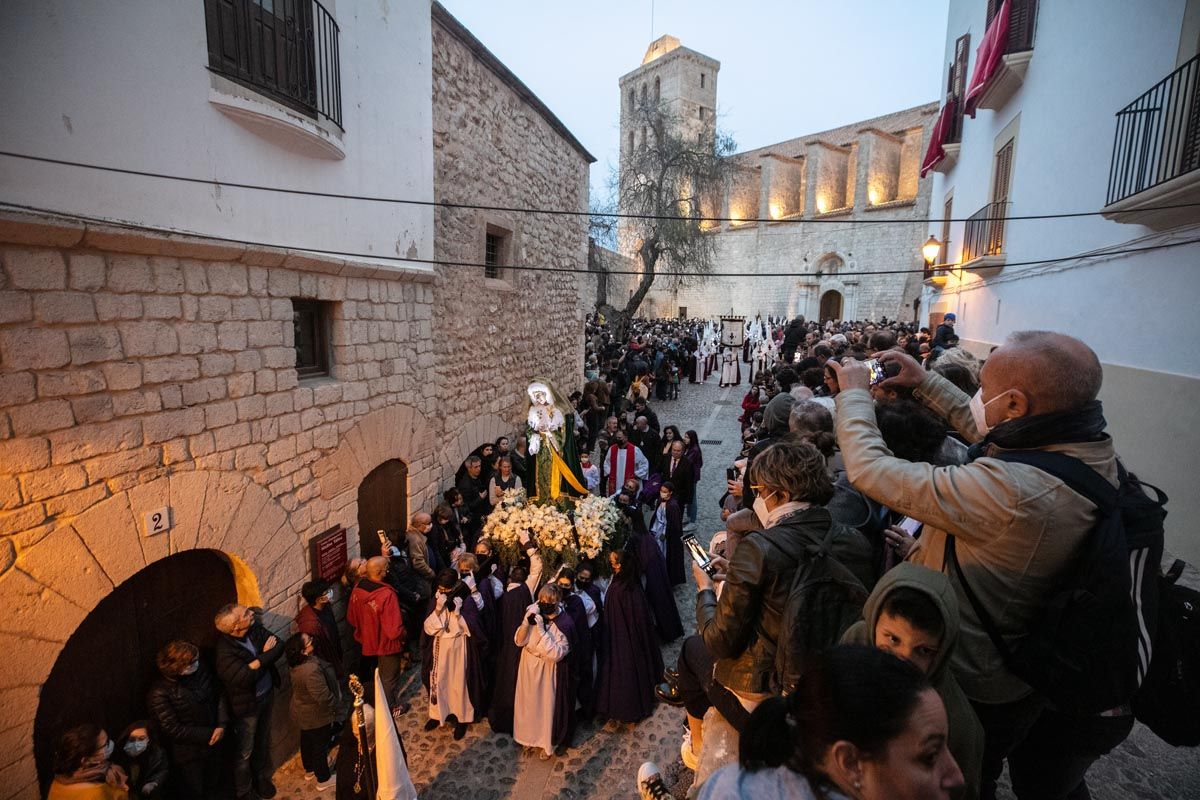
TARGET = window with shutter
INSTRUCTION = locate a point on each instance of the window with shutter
(956, 89)
(1001, 184)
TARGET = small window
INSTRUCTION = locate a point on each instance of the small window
(310, 319)
(631, 145)
(701, 113)
(495, 251)
(657, 90)
(701, 80)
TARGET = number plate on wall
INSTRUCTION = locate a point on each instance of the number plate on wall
(157, 521)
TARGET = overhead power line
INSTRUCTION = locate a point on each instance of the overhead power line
(563, 212)
(529, 268)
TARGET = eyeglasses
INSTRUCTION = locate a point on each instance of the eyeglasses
(758, 488)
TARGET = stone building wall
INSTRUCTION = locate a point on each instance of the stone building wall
(492, 147)
(863, 172)
(138, 372)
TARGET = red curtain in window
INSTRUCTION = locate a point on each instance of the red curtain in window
(987, 57)
(941, 130)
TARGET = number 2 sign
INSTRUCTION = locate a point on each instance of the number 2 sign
(158, 521)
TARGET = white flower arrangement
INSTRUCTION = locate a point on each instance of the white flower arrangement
(596, 522)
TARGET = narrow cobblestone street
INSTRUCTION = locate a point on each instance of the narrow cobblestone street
(600, 765)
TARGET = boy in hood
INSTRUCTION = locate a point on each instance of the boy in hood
(913, 614)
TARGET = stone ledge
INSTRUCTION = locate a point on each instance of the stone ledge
(46, 230)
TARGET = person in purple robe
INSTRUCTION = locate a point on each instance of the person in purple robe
(634, 662)
(510, 612)
(576, 604)
(667, 527)
(654, 574)
(453, 641)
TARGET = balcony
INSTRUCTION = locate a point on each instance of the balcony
(935, 275)
(983, 240)
(286, 53)
(1156, 154)
(1018, 52)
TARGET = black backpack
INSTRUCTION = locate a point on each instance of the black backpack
(1089, 649)
(825, 599)
(1169, 700)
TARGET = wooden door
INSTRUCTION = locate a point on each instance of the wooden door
(107, 666)
(831, 306)
(382, 505)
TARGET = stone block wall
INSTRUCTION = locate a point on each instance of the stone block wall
(139, 371)
(491, 336)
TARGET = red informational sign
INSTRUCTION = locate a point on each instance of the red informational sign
(329, 554)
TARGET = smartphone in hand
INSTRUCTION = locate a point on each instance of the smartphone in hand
(699, 554)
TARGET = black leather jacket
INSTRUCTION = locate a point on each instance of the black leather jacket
(742, 628)
(187, 710)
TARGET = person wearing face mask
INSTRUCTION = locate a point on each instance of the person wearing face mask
(544, 710)
(452, 651)
(187, 708)
(83, 768)
(144, 762)
(667, 527)
(523, 581)
(632, 658)
(1014, 527)
(743, 627)
(316, 619)
(576, 604)
(420, 555)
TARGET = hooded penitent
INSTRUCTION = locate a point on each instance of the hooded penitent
(966, 734)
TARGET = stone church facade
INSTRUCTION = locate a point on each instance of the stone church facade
(792, 207)
(147, 372)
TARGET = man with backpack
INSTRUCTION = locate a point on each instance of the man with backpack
(1012, 528)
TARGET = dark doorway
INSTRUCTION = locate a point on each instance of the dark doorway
(103, 673)
(831, 306)
(382, 505)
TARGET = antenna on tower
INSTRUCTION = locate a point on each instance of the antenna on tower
(652, 20)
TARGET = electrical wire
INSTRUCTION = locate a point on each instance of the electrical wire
(566, 212)
(527, 268)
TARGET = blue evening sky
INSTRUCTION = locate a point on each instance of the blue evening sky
(788, 67)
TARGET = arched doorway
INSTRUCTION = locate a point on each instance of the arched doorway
(382, 505)
(831, 306)
(107, 665)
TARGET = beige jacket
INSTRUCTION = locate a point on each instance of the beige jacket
(1016, 526)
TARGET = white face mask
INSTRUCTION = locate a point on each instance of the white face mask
(135, 747)
(760, 509)
(979, 412)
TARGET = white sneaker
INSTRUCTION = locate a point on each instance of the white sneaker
(327, 784)
(691, 759)
(310, 776)
(650, 783)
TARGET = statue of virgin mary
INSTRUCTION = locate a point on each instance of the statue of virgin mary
(551, 436)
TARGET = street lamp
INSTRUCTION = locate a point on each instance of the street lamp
(930, 250)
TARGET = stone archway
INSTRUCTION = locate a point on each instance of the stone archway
(57, 580)
(394, 432)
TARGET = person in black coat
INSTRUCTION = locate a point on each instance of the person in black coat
(681, 472)
(186, 705)
(144, 762)
(246, 656)
(667, 528)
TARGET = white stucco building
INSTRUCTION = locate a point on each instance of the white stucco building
(1091, 107)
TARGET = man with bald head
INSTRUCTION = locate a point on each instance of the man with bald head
(374, 613)
(422, 557)
(1015, 527)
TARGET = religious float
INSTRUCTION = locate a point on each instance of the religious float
(566, 522)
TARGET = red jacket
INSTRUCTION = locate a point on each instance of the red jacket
(374, 613)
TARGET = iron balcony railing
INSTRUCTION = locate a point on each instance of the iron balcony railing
(1158, 135)
(984, 232)
(285, 49)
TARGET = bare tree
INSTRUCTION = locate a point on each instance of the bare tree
(673, 178)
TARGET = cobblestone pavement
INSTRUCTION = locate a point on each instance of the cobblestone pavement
(600, 765)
